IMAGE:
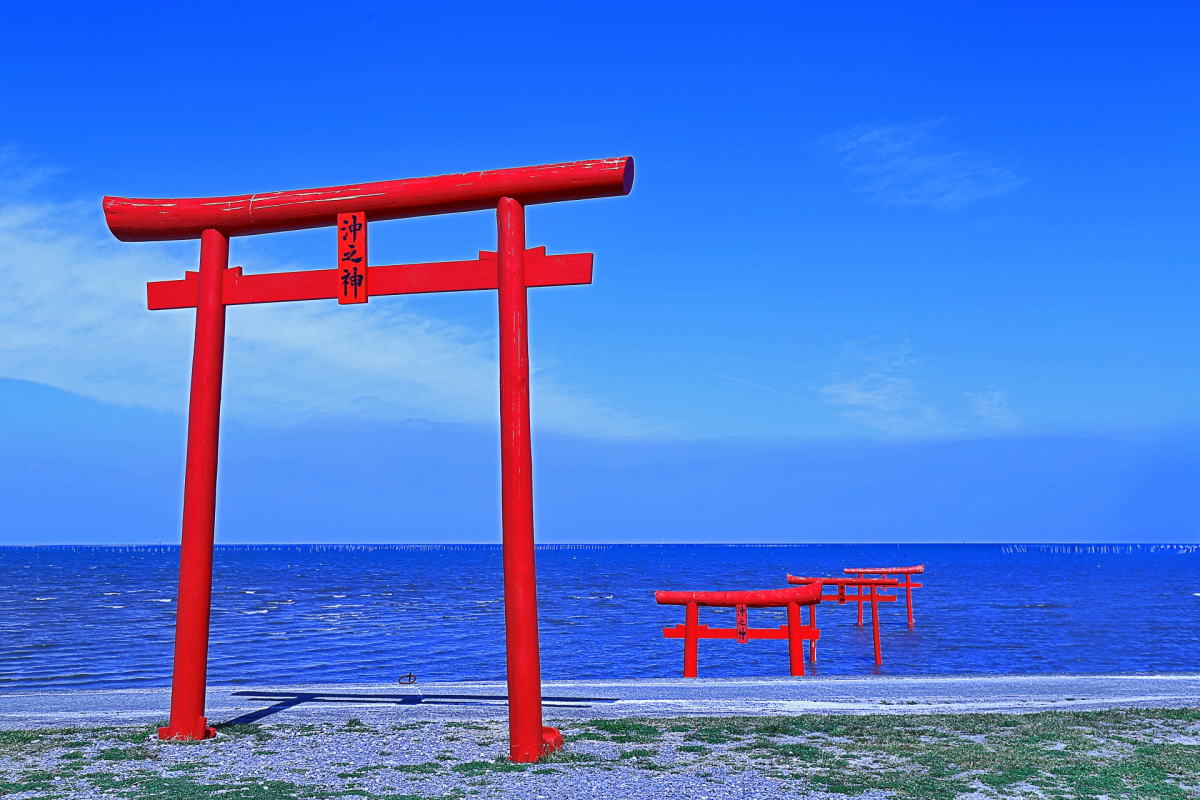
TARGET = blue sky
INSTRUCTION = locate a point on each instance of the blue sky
(925, 273)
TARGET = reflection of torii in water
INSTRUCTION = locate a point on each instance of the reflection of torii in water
(510, 270)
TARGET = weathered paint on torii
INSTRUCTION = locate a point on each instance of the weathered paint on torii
(510, 270)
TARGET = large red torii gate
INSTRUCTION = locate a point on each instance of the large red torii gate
(215, 285)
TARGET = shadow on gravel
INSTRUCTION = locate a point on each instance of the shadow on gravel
(282, 701)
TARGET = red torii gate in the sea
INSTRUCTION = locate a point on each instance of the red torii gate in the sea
(509, 270)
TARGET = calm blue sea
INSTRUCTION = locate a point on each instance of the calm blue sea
(103, 617)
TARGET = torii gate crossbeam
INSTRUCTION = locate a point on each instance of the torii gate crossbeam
(510, 270)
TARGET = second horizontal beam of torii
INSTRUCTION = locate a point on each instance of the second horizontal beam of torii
(325, 284)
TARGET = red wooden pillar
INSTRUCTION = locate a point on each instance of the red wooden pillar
(908, 596)
(874, 622)
(860, 605)
(812, 643)
(691, 640)
(528, 740)
(795, 642)
(199, 499)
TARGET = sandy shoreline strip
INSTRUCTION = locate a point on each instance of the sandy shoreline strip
(568, 700)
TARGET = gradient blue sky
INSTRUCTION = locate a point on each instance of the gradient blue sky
(887, 273)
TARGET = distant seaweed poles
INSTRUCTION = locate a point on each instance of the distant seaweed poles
(1101, 549)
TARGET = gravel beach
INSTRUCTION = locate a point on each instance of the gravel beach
(1070, 736)
(1137, 753)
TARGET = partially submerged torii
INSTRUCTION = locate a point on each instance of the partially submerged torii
(509, 270)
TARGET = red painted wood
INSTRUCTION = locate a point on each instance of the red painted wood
(908, 584)
(919, 568)
(528, 739)
(812, 623)
(796, 637)
(705, 632)
(511, 270)
(873, 596)
(187, 719)
(691, 644)
(756, 598)
(860, 606)
(881, 582)
(324, 284)
(875, 625)
(146, 220)
(352, 257)
(841, 599)
(692, 631)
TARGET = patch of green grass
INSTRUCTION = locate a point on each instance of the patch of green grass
(713, 734)
(136, 735)
(125, 754)
(27, 742)
(184, 788)
(568, 757)
(31, 781)
(499, 764)
(698, 749)
(768, 747)
(623, 731)
(356, 725)
(259, 732)
(637, 752)
(103, 781)
(937, 757)
(427, 768)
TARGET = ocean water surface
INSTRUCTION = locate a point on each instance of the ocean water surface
(103, 617)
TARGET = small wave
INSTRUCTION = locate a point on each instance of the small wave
(114, 606)
(45, 598)
(591, 597)
(249, 591)
(108, 593)
(160, 600)
(260, 611)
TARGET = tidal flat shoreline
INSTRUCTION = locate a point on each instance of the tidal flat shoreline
(1118, 753)
(868, 738)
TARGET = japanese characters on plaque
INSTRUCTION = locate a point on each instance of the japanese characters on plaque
(352, 257)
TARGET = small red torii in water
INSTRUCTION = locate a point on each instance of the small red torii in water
(795, 631)
(887, 572)
(510, 270)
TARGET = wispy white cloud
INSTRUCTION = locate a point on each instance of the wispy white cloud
(990, 406)
(73, 316)
(878, 385)
(907, 165)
